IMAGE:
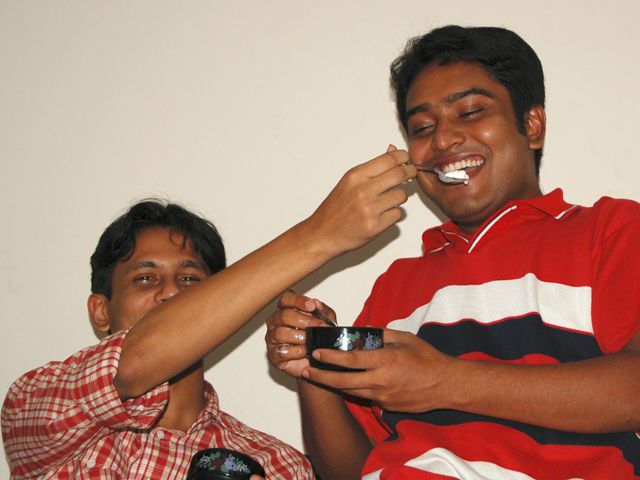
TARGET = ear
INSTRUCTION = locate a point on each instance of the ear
(98, 306)
(536, 125)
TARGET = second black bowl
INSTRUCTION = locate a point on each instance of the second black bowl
(223, 464)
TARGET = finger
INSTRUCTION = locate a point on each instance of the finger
(346, 381)
(390, 211)
(394, 177)
(390, 217)
(360, 359)
(391, 336)
(292, 319)
(382, 163)
(391, 198)
(283, 353)
(286, 335)
(291, 299)
(326, 309)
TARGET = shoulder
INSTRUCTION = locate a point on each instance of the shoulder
(618, 206)
(611, 214)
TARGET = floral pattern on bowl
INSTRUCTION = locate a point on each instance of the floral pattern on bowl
(222, 463)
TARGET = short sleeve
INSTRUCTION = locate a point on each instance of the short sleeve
(616, 281)
(55, 411)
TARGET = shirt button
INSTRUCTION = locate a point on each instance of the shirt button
(91, 463)
(160, 435)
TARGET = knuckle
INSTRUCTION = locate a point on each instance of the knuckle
(351, 177)
(402, 195)
(398, 175)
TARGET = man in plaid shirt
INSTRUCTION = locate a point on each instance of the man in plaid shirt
(136, 405)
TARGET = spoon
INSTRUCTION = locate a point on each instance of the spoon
(324, 317)
(442, 176)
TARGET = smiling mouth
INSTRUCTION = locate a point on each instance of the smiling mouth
(462, 165)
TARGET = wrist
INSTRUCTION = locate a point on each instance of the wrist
(322, 245)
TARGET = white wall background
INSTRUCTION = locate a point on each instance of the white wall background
(249, 112)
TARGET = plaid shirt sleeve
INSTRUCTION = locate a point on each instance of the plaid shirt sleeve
(55, 412)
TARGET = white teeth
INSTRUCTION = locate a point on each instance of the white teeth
(461, 164)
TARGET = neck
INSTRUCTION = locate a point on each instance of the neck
(469, 227)
(186, 399)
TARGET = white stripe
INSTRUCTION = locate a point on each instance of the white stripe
(562, 214)
(444, 462)
(456, 234)
(439, 248)
(559, 305)
(488, 227)
(373, 475)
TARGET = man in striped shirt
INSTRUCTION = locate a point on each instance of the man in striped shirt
(512, 348)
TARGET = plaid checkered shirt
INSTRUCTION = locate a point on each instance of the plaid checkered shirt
(65, 420)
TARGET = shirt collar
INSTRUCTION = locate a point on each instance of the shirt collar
(210, 412)
(551, 204)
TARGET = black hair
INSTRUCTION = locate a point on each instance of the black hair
(118, 241)
(502, 53)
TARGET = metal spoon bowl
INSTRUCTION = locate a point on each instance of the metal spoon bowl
(441, 176)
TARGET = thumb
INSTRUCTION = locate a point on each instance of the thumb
(391, 148)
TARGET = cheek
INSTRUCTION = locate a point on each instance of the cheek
(500, 136)
(132, 308)
(418, 151)
(492, 135)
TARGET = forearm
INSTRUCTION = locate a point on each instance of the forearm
(336, 443)
(590, 396)
(409, 375)
(180, 332)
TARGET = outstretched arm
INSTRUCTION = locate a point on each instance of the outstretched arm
(181, 331)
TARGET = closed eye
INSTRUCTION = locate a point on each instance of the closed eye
(472, 113)
(422, 130)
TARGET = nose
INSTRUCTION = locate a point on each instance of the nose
(446, 136)
(168, 289)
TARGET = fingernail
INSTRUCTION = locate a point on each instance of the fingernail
(282, 349)
(305, 373)
(299, 336)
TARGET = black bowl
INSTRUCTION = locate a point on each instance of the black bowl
(223, 464)
(341, 338)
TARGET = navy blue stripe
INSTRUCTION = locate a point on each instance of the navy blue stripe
(511, 340)
(627, 442)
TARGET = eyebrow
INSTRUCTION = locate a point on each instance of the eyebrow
(151, 264)
(454, 97)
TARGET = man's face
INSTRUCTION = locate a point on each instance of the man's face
(458, 113)
(158, 269)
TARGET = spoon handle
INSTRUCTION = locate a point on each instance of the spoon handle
(324, 317)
